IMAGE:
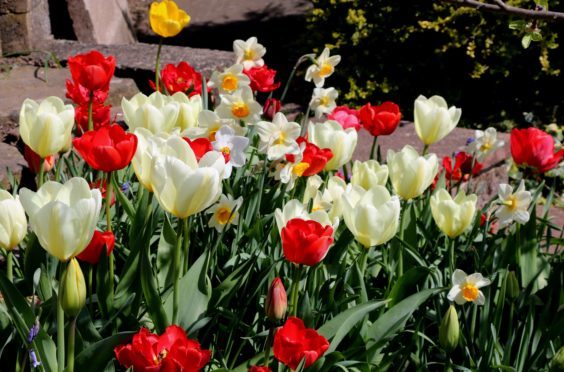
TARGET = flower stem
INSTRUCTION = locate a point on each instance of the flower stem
(425, 148)
(157, 65)
(400, 246)
(186, 245)
(176, 271)
(90, 118)
(41, 175)
(108, 201)
(61, 323)
(90, 269)
(70, 350)
(268, 346)
(374, 147)
(291, 77)
(10, 265)
(450, 243)
(295, 289)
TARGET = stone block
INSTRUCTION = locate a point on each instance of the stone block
(14, 31)
(15, 6)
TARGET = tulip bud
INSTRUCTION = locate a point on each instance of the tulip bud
(72, 290)
(557, 363)
(512, 285)
(276, 301)
(271, 107)
(449, 329)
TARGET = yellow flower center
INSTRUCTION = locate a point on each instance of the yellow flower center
(511, 203)
(230, 82)
(240, 110)
(326, 69)
(486, 147)
(300, 168)
(223, 216)
(180, 80)
(469, 292)
(281, 138)
(324, 101)
(159, 358)
(225, 150)
(249, 54)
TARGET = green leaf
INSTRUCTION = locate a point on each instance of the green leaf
(529, 261)
(165, 253)
(151, 293)
(97, 356)
(195, 294)
(536, 36)
(526, 41)
(517, 25)
(228, 288)
(338, 327)
(407, 284)
(23, 320)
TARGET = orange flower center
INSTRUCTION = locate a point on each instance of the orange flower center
(230, 82)
(325, 70)
(469, 292)
(223, 215)
(211, 135)
(180, 80)
(240, 110)
(300, 168)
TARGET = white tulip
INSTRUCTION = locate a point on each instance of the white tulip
(13, 223)
(331, 135)
(157, 112)
(434, 119)
(410, 173)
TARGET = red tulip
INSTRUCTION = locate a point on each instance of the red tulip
(276, 301)
(293, 342)
(534, 148)
(262, 79)
(200, 146)
(108, 148)
(34, 160)
(172, 351)
(100, 116)
(271, 107)
(80, 95)
(313, 159)
(347, 117)
(380, 120)
(259, 369)
(306, 241)
(92, 70)
(100, 240)
(180, 78)
(462, 167)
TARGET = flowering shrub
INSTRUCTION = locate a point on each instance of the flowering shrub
(167, 243)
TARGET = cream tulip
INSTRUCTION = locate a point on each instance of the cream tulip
(46, 127)
(190, 108)
(182, 185)
(371, 216)
(157, 112)
(434, 119)
(63, 216)
(13, 223)
(453, 216)
(369, 174)
(331, 135)
(410, 173)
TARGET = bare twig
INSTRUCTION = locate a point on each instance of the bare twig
(499, 6)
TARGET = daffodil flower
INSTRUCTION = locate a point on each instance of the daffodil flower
(249, 53)
(514, 205)
(466, 288)
(225, 212)
(323, 67)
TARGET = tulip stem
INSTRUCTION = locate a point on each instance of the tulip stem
(90, 117)
(268, 346)
(176, 271)
(451, 254)
(90, 290)
(10, 265)
(41, 174)
(61, 322)
(108, 201)
(157, 64)
(425, 148)
(295, 289)
(291, 77)
(374, 147)
(186, 244)
(70, 351)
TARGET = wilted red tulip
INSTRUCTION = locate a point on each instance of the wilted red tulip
(80, 95)
(271, 107)
(347, 117)
(276, 300)
(294, 341)
(380, 120)
(306, 242)
(534, 148)
(180, 78)
(108, 148)
(100, 240)
(92, 70)
(259, 369)
(262, 79)
(313, 159)
(34, 160)
(172, 351)
(200, 146)
(462, 167)
(100, 116)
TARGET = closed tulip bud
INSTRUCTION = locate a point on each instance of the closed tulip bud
(410, 173)
(369, 174)
(453, 216)
(434, 119)
(557, 363)
(13, 224)
(72, 290)
(449, 330)
(512, 285)
(276, 301)
(167, 19)
(331, 135)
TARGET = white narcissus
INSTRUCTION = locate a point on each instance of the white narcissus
(410, 173)
(434, 119)
(466, 288)
(190, 108)
(182, 185)
(323, 101)
(63, 216)
(240, 105)
(453, 216)
(249, 53)
(230, 80)
(157, 112)
(208, 125)
(331, 135)
(484, 143)
(278, 138)
(323, 67)
(514, 205)
(46, 127)
(225, 212)
(13, 223)
(371, 216)
(368, 174)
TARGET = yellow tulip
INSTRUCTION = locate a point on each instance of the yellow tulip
(453, 216)
(167, 19)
